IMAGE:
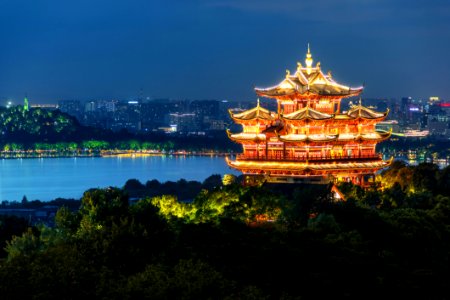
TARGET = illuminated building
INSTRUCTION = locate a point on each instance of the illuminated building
(433, 99)
(45, 106)
(308, 138)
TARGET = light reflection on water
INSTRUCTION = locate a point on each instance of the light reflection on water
(441, 163)
(48, 178)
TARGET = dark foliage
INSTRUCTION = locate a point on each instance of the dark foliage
(182, 189)
(372, 246)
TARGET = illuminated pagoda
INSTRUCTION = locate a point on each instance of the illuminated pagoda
(308, 138)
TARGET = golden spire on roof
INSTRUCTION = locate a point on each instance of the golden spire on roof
(308, 61)
(257, 103)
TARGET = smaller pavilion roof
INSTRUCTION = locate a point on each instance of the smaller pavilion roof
(256, 113)
(363, 112)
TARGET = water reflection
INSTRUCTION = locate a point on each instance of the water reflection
(49, 178)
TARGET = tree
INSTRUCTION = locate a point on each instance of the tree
(102, 207)
(228, 179)
(11, 226)
(425, 177)
(28, 244)
(134, 187)
(444, 181)
(212, 182)
(66, 220)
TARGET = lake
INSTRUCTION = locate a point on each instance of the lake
(49, 178)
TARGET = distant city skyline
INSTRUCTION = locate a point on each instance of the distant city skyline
(4, 101)
(53, 50)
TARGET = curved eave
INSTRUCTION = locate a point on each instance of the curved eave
(239, 137)
(253, 120)
(348, 138)
(382, 136)
(254, 114)
(376, 116)
(343, 91)
(279, 92)
(275, 92)
(306, 138)
(378, 119)
(293, 139)
(326, 138)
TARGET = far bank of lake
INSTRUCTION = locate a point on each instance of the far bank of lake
(100, 153)
(49, 178)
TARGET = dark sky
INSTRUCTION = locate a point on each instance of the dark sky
(198, 49)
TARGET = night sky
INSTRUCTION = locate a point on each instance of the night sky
(90, 49)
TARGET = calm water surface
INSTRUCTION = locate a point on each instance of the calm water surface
(48, 178)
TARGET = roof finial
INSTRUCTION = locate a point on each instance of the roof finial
(257, 103)
(308, 61)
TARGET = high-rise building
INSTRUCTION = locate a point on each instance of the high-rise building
(71, 107)
(308, 138)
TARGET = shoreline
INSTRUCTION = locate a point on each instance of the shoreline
(104, 153)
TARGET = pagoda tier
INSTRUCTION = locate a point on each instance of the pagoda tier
(377, 136)
(316, 85)
(308, 86)
(309, 114)
(308, 136)
(247, 137)
(256, 115)
(308, 168)
(300, 151)
(308, 83)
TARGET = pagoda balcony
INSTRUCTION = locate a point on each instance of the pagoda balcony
(311, 158)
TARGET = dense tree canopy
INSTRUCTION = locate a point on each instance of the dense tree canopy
(240, 242)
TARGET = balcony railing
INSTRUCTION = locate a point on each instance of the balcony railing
(290, 157)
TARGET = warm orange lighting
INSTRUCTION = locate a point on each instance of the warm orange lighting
(308, 137)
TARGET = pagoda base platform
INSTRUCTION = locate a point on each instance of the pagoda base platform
(309, 172)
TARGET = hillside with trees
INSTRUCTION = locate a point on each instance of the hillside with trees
(40, 132)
